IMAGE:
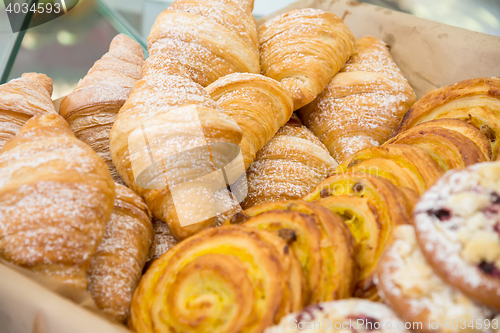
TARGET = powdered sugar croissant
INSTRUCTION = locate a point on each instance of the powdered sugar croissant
(92, 107)
(56, 196)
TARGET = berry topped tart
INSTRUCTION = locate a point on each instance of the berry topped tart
(457, 227)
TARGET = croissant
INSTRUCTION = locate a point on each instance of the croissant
(163, 241)
(303, 49)
(173, 146)
(404, 165)
(363, 104)
(260, 106)
(288, 167)
(476, 101)
(116, 267)
(21, 99)
(92, 107)
(211, 38)
(56, 195)
(371, 207)
(227, 279)
(318, 238)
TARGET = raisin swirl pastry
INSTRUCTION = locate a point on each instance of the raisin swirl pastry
(92, 107)
(371, 207)
(475, 101)
(116, 267)
(21, 99)
(457, 227)
(404, 165)
(56, 196)
(303, 49)
(318, 238)
(410, 286)
(227, 279)
(350, 315)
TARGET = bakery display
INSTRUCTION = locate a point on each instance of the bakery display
(475, 101)
(21, 99)
(56, 196)
(456, 223)
(352, 315)
(260, 106)
(210, 38)
(418, 295)
(116, 267)
(363, 104)
(319, 240)
(288, 167)
(92, 107)
(227, 279)
(230, 213)
(303, 49)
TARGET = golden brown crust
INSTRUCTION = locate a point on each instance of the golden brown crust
(287, 167)
(362, 105)
(211, 38)
(92, 107)
(303, 49)
(21, 99)
(404, 165)
(56, 195)
(116, 267)
(475, 101)
(260, 106)
(248, 278)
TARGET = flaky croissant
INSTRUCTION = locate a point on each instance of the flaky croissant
(21, 99)
(260, 106)
(56, 196)
(116, 267)
(475, 101)
(92, 107)
(363, 104)
(288, 167)
(227, 279)
(303, 49)
(211, 38)
(171, 144)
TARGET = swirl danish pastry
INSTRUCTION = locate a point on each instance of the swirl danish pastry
(303, 49)
(21, 99)
(92, 107)
(363, 104)
(227, 279)
(56, 196)
(318, 238)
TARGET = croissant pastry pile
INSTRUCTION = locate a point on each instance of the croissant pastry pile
(243, 179)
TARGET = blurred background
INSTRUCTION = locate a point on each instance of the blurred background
(66, 47)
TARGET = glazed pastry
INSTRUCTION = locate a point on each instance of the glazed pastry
(318, 238)
(370, 207)
(448, 148)
(475, 101)
(457, 223)
(288, 167)
(410, 286)
(92, 107)
(404, 165)
(56, 196)
(260, 106)
(163, 241)
(303, 49)
(116, 267)
(363, 104)
(350, 315)
(21, 99)
(211, 38)
(170, 143)
(227, 279)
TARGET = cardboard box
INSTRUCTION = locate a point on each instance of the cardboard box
(430, 54)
